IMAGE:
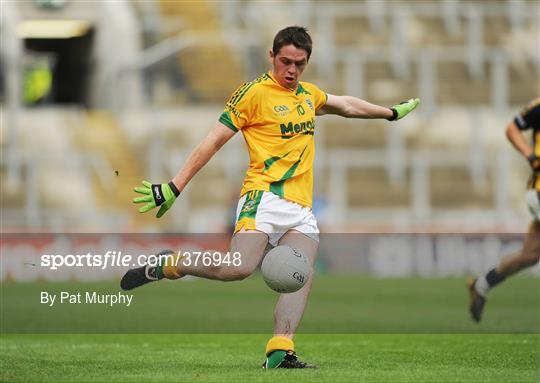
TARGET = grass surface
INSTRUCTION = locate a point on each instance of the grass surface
(355, 328)
(338, 304)
(236, 358)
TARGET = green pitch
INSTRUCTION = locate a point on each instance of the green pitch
(355, 329)
(236, 358)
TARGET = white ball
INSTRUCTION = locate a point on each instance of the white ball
(285, 269)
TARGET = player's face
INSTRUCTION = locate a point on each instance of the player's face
(289, 63)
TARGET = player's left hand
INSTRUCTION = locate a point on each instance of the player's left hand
(155, 195)
(402, 109)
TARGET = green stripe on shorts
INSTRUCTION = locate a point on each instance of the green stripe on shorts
(251, 204)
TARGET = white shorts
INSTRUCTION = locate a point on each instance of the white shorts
(532, 198)
(267, 212)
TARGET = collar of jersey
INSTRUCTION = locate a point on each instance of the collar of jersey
(295, 90)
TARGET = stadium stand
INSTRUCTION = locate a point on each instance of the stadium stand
(472, 63)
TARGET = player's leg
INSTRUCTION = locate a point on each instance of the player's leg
(290, 308)
(247, 247)
(248, 244)
(528, 256)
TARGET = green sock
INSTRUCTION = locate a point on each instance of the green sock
(159, 272)
(275, 358)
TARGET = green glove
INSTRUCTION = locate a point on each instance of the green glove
(162, 195)
(404, 108)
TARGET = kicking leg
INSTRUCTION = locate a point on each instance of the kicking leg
(249, 244)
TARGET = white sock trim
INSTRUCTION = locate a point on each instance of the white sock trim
(482, 286)
(148, 276)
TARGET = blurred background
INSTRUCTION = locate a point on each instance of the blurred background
(97, 96)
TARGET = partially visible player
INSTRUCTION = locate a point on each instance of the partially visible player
(276, 115)
(529, 118)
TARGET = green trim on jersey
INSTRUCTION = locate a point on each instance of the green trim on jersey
(277, 187)
(300, 89)
(225, 119)
(240, 93)
(269, 162)
(251, 204)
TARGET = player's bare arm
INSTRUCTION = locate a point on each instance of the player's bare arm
(353, 107)
(164, 195)
(515, 136)
(202, 154)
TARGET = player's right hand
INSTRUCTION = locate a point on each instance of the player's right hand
(534, 161)
(155, 195)
(402, 109)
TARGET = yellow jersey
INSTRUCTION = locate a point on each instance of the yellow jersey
(278, 125)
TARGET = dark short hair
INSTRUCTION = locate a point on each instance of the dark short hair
(297, 36)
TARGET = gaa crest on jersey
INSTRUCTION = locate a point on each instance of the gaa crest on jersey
(310, 104)
(281, 110)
